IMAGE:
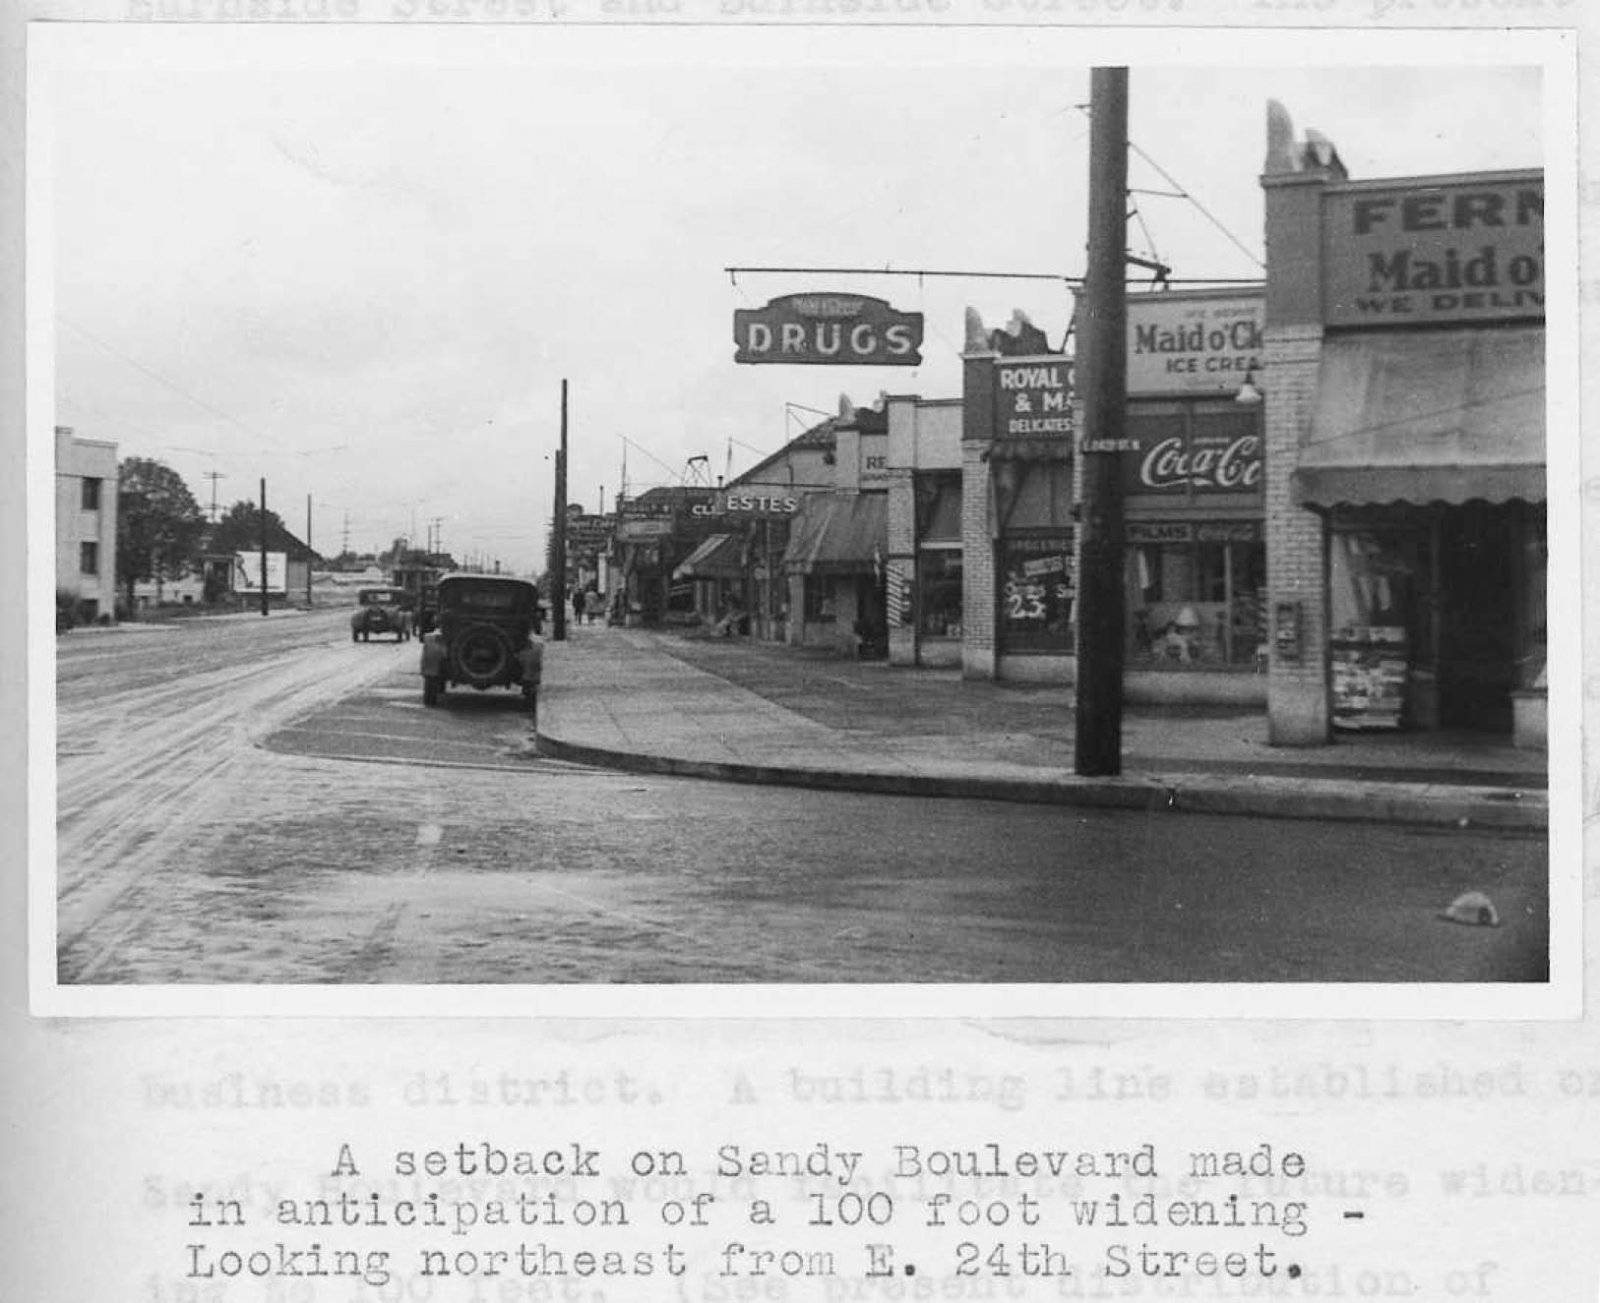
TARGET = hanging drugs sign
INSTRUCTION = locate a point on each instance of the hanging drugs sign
(828, 330)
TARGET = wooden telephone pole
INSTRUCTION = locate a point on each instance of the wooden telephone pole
(263, 545)
(1103, 382)
(558, 563)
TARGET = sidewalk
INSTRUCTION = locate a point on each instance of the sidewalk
(758, 712)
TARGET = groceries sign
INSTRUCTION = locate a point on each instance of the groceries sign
(828, 330)
(1433, 252)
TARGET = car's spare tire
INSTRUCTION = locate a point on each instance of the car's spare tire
(482, 656)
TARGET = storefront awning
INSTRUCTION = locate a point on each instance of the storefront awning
(1429, 416)
(839, 535)
(717, 557)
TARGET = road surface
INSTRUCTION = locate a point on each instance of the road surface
(249, 800)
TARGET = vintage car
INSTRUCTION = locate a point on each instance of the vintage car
(380, 610)
(483, 637)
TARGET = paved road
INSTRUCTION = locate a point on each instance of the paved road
(285, 810)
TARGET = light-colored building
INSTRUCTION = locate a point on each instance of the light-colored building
(86, 523)
(837, 556)
(925, 555)
(1405, 448)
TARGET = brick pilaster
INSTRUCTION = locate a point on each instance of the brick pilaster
(1298, 711)
(978, 659)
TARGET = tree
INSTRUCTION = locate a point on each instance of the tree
(239, 529)
(159, 524)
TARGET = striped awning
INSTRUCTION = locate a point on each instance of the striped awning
(839, 534)
(719, 556)
(1427, 416)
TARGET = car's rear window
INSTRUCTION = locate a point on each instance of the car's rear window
(487, 599)
(380, 597)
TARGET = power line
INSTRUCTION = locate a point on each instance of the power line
(159, 378)
(1182, 193)
(678, 475)
(893, 271)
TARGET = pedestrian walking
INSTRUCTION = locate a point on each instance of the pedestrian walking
(594, 606)
(577, 606)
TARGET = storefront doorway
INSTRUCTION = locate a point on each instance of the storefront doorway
(1437, 614)
(1478, 552)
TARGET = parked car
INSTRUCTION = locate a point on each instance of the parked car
(483, 637)
(380, 610)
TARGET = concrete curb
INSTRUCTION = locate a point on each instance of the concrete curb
(1268, 797)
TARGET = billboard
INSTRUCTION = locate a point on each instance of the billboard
(247, 572)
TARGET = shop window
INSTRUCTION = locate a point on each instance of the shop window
(1375, 578)
(1532, 618)
(1379, 634)
(819, 599)
(939, 593)
(939, 507)
(91, 495)
(1036, 595)
(1196, 600)
(89, 558)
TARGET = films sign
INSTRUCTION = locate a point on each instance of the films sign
(1156, 532)
(828, 330)
(1033, 398)
(1178, 344)
(1429, 252)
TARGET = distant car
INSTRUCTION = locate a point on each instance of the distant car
(483, 637)
(380, 610)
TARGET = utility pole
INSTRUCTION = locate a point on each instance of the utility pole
(1103, 377)
(308, 551)
(263, 545)
(214, 476)
(558, 564)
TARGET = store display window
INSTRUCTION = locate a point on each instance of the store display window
(939, 574)
(819, 599)
(1378, 627)
(1195, 595)
(1036, 595)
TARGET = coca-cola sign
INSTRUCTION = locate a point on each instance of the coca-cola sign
(1190, 461)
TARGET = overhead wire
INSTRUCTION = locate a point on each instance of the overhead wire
(159, 378)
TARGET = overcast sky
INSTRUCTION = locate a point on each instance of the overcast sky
(359, 262)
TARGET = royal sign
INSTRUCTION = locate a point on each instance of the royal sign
(1033, 398)
(1430, 252)
(1190, 344)
(828, 330)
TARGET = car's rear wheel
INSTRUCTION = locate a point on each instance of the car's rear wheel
(483, 655)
